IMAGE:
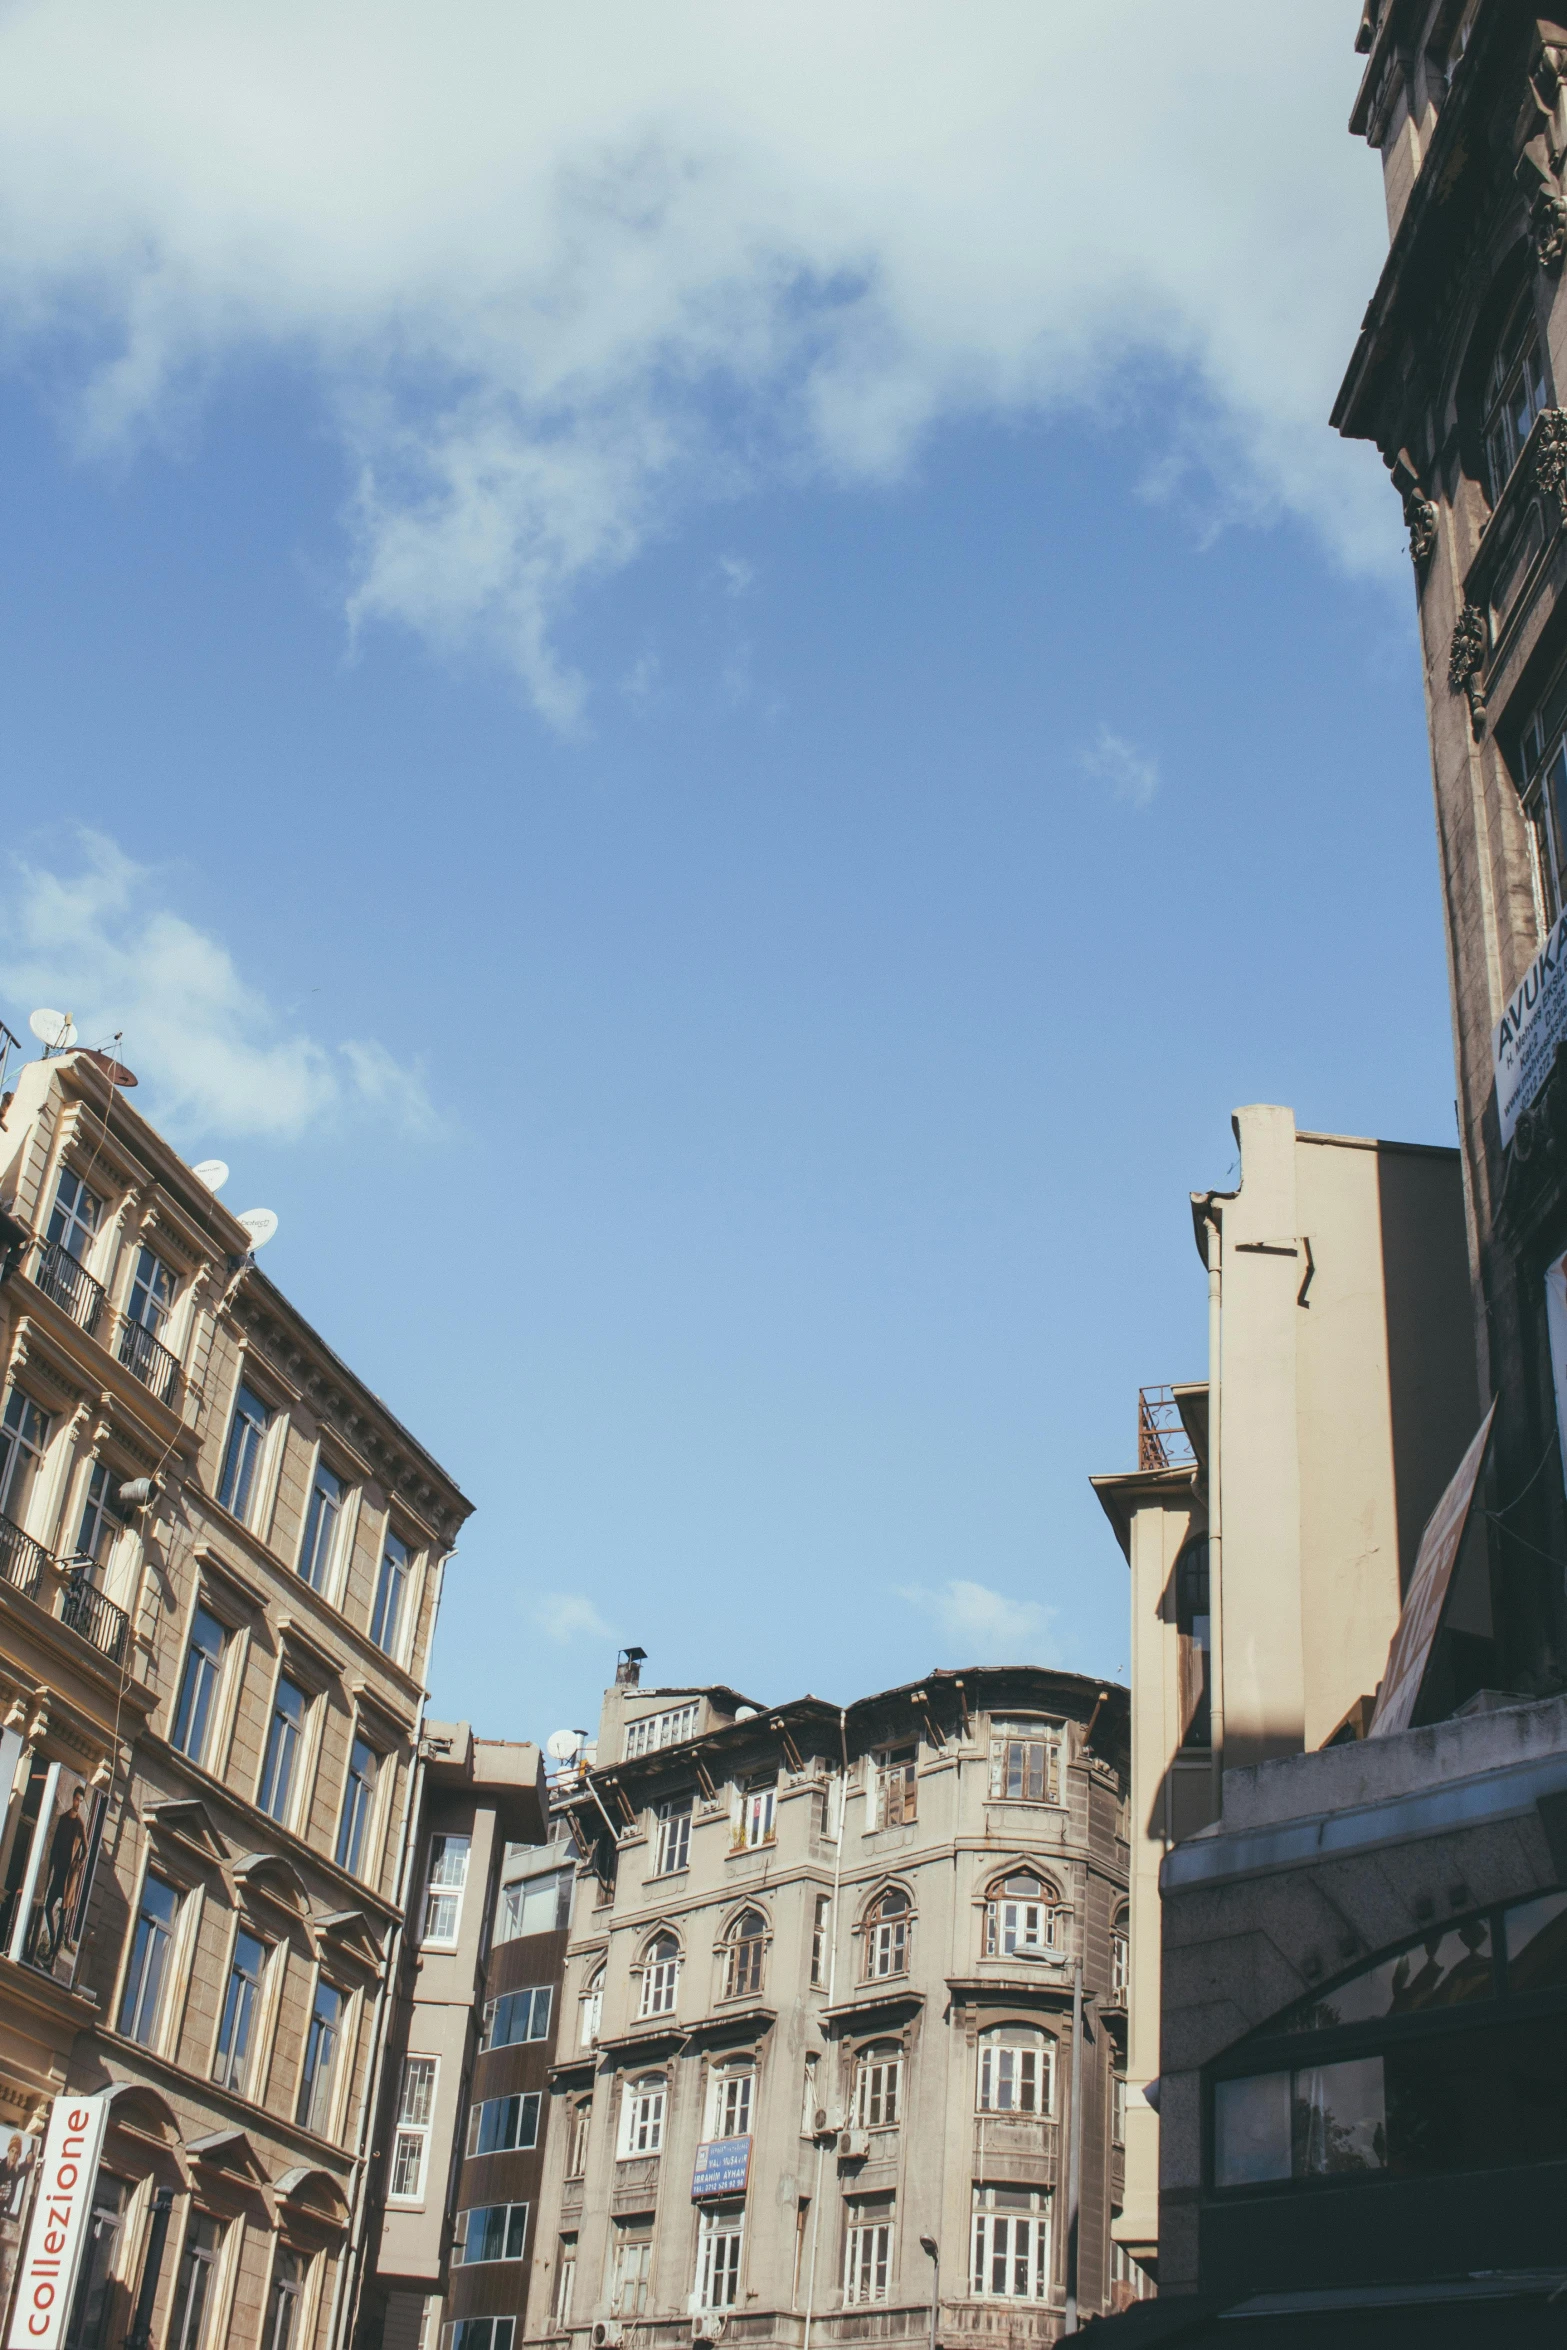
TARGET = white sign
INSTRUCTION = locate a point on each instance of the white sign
(1532, 1025)
(62, 2215)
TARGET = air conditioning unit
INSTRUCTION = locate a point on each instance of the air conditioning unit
(607, 2337)
(828, 2122)
(709, 2325)
(853, 2145)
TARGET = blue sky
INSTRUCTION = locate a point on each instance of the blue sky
(716, 795)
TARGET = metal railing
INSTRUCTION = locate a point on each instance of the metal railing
(56, 1272)
(1162, 1442)
(22, 1560)
(97, 1619)
(149, 1360)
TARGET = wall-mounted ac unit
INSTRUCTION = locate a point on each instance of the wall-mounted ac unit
(607, 2337)
(709, 2325)
(853, 2145)
(827, 2121)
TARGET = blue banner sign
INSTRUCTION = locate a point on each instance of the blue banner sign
(722, 2167)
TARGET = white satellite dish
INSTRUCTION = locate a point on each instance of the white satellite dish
(260, 1223)
(214, 1173)
(56, 1031)
(745, 1713)
(563, 1745)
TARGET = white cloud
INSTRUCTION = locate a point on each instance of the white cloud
(555, 271)
(568, 1615)
(212, 1056)
(985, 1627)
(1126, 773)
(739, 576)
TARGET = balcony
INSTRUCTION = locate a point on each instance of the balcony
(56, 1272)
(97, 1619)
(149, 1360)
(22, 1560)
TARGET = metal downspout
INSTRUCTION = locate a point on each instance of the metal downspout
(832, 1987)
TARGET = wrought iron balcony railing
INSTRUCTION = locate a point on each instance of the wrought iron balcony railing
(22, 1560)
(96, 1618)
(149, 1360)
(56, 1272)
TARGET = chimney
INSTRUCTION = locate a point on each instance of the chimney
(628, 1667)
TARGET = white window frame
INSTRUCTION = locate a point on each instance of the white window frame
(993, 2236)
(660, 1978)
(592, 1999)
(656, 1731)
(443, 1895)
(1038, 1927)
(888, 1940)
(720, 2252)
(868, 2246)
(631, 2266)
(411, 2132)
(757, 1815)
(579, 2130)
(1006, 1733)
(460, 2257)
(534, 1993)
(644, 2106)
(528, 2102)
(897, 1784)
(878, 2087)
(673, 1853)
(731, 2100)
(1025, 2067)
(565, 2281)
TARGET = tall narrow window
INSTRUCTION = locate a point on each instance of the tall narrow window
(75, 1217)
(411, 2146)
(142, 1346)
(150, 1939)
(358, 1799)
(90, 2313)
(1515, 393)
(24, 1438)
(61, 1268)
(199, 1686)
(592, 2008)
(660, 1976)
(730, 2111)
(443, 1889)
(743, 1957)
(288, 2289)
(315, 2084)
(193, 2291)
(887, 1934)
(642, 2116)
(1192, 1625)
(1016, 2070)
(1011, 2252)
(867, 2265)
(565, 2282)
(577, 2143)
(1120, 1958)
(895, 1786)
(240, 2002)
(719, 2243)
(1118, 2109)
(757, 1804)
(631, 2261)
(674, 1835)
(392, 1582)
(819, 1917)
(322, 1513)
(103, 1521)
(878, 2087)
(1025, 1762)
(242, 1454)
(284, 1733)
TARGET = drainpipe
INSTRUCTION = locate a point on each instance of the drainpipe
(1216, 1506)
(832, 1986)
(1074, 2159)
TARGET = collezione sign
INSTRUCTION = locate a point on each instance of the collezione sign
(62, 2214)
(1532, 1025)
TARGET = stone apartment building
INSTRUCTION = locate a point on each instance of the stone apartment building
(220, 1563)
(816, 2068)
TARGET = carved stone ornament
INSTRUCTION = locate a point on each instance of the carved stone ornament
(1548, 227)
(1419, 511)
(1464, 662)
(1550, 457)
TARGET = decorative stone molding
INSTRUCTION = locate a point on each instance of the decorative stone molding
(1420, 514)
(1465, 660)
(1550, 457)
(1548, 227)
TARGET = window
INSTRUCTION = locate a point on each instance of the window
(150, 1939)
(152, 1296)
(491, 2231)
(1515, 392)
(895, 1786)
(358, 1798)
(443, 1888)
(199, 1685)
(819, 1917)
(867, 2259)
(756, 1812)
(659, 1730)
(674, 1835)
(743, 1957)
(1193, 1626)
(887, 1934)
(718, 2255)
(642, 2116)
(1120, 1959)
(577, 2143)
(387, 1614)
(322, 1513)
(103, 1521)
(483, 2333)
(288, 2289)
(1011, 2243)
(315, 2086)
(193, 2288)
(565, 2281)
(592, 2008)
(1016, 2070)
(1118, 2109)
(283, 1735)
(240, 2002)
(1022, 1920)
(660, 1976)
(247, 1435)
(411, 2146)
(90, 2312)
(536, 1905)
(878, 2086)
(75, 1216)
(631, 2258)
(24, 1438)
(729, 2114)
(1025, 1762)
(504, 2125)
(1542, 769)
(516, 2015)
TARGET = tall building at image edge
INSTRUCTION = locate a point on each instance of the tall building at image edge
(220, 1563)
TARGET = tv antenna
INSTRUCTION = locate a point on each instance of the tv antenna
(260, 1223)
(214, 1173)
(55, 1031)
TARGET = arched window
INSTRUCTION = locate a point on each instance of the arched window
(577, 2145)
(1515, 392)
(1120, 1957)
(743, 1957)
(660, 1975)
(1192, 1624)
(731, 2093)
(1016, 2070)
(887, 1924)
(878, 2086)
(642, 2116)
(592, 2007)
(1023, 1919)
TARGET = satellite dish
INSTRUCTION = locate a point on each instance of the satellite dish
(214, 1173)
(745, 1713)
(55, 1031)
(563, 1745)
(260, 1223)
(114, 1070)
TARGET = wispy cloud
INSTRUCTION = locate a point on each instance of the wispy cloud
(739, 576)
(556, 275)
(212, 1054)
(565, 1616)
(979, 1626)
(1127, 773)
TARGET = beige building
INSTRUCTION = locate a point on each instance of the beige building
(220, 1562)
(817, 2020)
(1273, 1524)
